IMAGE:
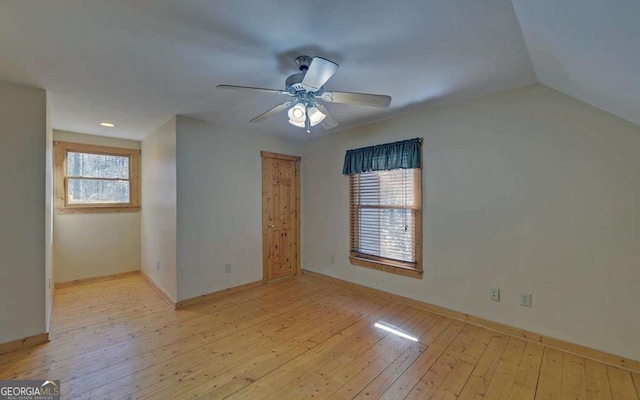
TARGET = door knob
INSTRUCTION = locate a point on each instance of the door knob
(271, 225)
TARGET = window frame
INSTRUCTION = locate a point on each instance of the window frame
(382, 263)
(62, 204)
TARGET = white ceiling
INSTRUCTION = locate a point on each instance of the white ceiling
(137, 63)
(588, 49)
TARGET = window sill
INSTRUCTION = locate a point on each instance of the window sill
(410, 272)
(95, 210)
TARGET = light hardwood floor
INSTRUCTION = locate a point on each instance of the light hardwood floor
(299, 338)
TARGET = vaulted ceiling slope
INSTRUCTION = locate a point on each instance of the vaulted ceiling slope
(588, 49)
(137, 63)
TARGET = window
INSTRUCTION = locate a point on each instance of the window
(386, 206)
(96, 178)
(386, 220)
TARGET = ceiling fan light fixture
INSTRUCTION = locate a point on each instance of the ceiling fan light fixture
(299, 124)
(315, 116)
(298, 115)
(297, 112)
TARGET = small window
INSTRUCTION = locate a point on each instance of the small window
(386, 221)
(96, 178)
(386, 206)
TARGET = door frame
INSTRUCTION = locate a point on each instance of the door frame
(266, 183)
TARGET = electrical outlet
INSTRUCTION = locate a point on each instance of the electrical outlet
(495, 294)
(525, 300)
(158, 265)
(227, 268)
(333, 259)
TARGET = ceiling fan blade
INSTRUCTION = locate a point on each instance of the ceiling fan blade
(273, 111)
(328, 122)
(365, 99)
(318, 73)
(253, 89)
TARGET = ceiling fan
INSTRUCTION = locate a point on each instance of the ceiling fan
(307, 90)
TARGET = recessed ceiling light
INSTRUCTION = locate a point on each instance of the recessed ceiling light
(107, 124)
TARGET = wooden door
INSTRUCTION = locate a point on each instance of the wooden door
(280, 215)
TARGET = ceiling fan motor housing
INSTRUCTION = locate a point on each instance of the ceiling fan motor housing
(294, 85)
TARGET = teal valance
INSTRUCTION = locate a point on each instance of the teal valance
(398, 155)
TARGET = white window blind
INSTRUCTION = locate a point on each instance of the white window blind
(385, 212)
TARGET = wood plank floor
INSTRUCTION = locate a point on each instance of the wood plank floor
(294, 339)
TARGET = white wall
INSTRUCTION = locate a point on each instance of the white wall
(49, 168)
(87, 245)
(528, 190)
(159, 207)
(22, 211)
(220, 204)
